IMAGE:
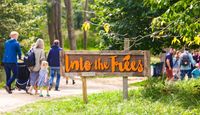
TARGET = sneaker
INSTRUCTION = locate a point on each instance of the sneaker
(40, 95)
(73, 82)
(8, 89)
(48, 95)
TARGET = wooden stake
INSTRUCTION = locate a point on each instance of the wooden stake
(84, 89)
(125, 78)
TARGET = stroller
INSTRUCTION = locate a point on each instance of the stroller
(23, 77)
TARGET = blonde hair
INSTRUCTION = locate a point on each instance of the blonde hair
(39, 43)
(14, 33)
(44, 65)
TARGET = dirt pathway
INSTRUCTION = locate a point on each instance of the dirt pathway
(9, 102)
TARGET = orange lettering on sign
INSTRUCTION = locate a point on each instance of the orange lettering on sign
(87, 65)
(140, 66)
(123, 65)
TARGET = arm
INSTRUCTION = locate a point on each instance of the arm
(42, 57)
(168, 64)
(192, 60)
(49, 56)
(46, 78)
(19, 51)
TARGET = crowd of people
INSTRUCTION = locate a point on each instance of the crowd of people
(179, 64)
(38, 78)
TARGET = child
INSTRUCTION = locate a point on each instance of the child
(43, 80)
(196, 71)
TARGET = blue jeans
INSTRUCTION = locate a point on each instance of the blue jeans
(10, 67)
(53, 72)
(184, 72)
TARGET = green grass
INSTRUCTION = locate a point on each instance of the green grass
(155, 98)
(142, 83)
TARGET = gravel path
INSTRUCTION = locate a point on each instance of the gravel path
(9, 102)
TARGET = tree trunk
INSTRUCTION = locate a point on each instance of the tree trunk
(84, 32)
(57, 21)
(70, 23)
(50, 21)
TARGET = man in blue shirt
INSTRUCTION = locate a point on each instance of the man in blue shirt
(12, 49)
(185, 64)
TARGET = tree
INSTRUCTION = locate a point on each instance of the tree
(54, 20)
(179, 23)
(70, 26)
(85, 19)
(127, 19)
(26, 17)
(50, 21)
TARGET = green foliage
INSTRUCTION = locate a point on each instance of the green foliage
(179, 24)
(155, 98)
(128, 19)
(26, 17)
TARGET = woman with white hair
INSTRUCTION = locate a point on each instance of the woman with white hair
(38, 50)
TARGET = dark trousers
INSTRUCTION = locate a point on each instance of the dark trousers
(10, 67)
(184, 72)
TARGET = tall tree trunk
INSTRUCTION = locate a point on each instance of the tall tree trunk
(70, 23)
(85, 19)
(57, 20)
(50, 21)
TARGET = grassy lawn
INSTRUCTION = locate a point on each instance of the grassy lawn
(155, 97)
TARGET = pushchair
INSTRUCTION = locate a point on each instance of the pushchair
(23, 77)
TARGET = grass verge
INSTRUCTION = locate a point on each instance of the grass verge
(156, 97)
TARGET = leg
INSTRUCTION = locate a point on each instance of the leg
(8, 73)
(41, 92)
(169, 74)
(14, 69)
(52, 72)
(58, 79)
(48, 92)
(32, 82)
(189, 74)
(30, 90)
(182, 74)
(67, 79)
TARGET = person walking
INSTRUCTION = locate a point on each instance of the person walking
(54, 63)
(12, 49)
(34, 71)
(185, 63)
(169, 64)
(43, 81)
(176, 71)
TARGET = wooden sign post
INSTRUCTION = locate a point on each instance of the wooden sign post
(99, 63)
(125, 78)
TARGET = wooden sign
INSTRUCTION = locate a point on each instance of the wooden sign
(93, 63)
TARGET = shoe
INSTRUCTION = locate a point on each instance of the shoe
(57, 89)
(50, 87)
(48, 95)
(66, 81)
(73, 82)
(40, 95)
(7, 89)
(29, 93)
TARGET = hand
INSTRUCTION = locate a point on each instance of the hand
(170, 68)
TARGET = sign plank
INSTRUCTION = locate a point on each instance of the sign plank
(93, 63)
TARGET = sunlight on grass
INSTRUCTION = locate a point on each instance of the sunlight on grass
(156, 97)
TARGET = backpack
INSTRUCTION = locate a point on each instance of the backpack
(185, 60)
(29, 59)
